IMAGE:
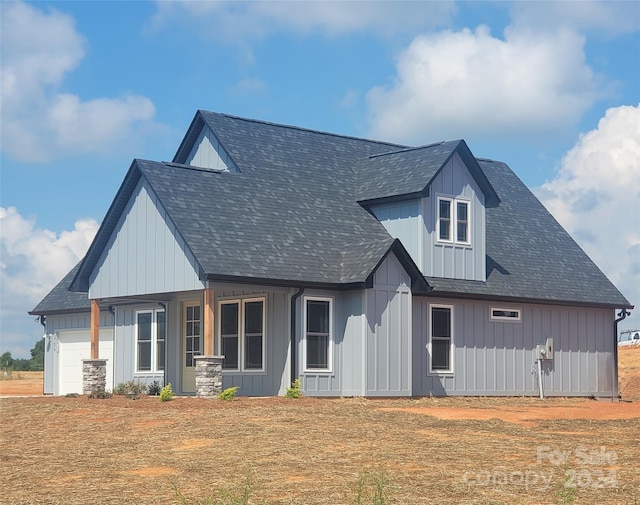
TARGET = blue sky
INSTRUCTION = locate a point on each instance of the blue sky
(551, 88)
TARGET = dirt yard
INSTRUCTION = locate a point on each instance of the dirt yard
(313, 451)
(22, 384)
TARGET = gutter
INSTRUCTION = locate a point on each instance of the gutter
(614, 382)
(294, 367)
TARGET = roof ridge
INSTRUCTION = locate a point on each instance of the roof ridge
(193, 167)
(301, 128)
(417, 148)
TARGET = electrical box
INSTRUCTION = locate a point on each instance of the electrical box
(549, 347)
(544, 351)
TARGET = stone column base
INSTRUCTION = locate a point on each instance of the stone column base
(94, 376)
(208, 376)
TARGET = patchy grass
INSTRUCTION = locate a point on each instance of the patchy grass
(314, 451)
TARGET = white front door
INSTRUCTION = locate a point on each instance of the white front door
(191, 344)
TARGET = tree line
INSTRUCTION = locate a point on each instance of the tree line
(35, 364)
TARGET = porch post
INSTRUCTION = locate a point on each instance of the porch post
(208, 366)
(95, 329)
(94, 370)
(208, 321)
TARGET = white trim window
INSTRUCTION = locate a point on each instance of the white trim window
(318, 334)
(453, 221)
(191, 335)
(242, 334)
(150, 329)
(440, 343)
(506, 314)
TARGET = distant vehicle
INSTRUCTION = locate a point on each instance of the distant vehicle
(629, 337)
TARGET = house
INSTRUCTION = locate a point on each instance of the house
(366, 268)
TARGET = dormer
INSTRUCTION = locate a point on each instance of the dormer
(433, 199)
(201, 148)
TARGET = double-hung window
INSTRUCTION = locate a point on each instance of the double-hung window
(150, 340)
(318, 339)
(453, 224)
(242, 334)
(440, 343)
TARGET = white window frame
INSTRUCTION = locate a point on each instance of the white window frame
(509, 319)
(183, 332)
(430, 369)
(154, 341)
(453, 220)
(241, 302)
(306, 369)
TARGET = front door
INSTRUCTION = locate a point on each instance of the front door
(191, 344)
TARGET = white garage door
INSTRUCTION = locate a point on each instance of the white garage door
(75, 345)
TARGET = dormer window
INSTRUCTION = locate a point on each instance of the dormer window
(453, 221)
(462, 222)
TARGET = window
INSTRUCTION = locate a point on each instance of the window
(462, 222)
(318, 322)
(150, 338)
(242, 334)
(440, 344)
(192, 334)
(229, 332)
(453, 221)
(500, 314)
(444, 219)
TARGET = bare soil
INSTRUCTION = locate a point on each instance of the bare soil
(312, 451)
(22, 384)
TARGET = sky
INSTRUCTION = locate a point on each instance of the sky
(551, 88)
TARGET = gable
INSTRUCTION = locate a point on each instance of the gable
(145, 254)
(391, 273)
(207, 152)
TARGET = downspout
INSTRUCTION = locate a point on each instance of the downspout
(294, 368)
(166, 342)
(614, 379)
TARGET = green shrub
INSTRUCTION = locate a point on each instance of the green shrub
(229, 393)
(166, 394)
(154, 388)
(72, 395)
(295, 391)
(131, 389)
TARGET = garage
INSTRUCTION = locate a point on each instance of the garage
(74, 346)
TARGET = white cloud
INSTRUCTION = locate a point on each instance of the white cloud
(39, 121)
(610, 18)
(33, 260)
(596, 197)
(239, 21)
(470, 84)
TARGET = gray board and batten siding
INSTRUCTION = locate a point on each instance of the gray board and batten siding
(372, 338)
(145, 253)
(498, 357)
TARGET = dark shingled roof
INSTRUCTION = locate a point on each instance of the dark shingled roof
(401, 173)
(291, 217)
(268, 226)
(61, 300)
